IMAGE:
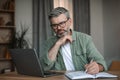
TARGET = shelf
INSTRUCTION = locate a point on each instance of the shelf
(7, 32)
(5, 43)
(7, 27)
(6, 65)
(4, 59)
(6, 11)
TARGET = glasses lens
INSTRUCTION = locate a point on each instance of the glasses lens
(61, 24)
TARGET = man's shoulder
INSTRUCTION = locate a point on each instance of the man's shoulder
(83, 38)
(81, 34)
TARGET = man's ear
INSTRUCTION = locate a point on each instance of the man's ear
(70, 20)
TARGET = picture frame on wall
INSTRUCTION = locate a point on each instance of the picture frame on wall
(7, 5)
(6, 35)
(6, 19)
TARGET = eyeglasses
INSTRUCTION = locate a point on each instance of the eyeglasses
(61, 24)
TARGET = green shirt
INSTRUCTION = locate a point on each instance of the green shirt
(82, 51)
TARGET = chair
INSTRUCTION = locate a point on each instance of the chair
(115, 66)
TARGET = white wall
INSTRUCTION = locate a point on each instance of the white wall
(96, 21)
(23, 15)
(105, 27)
(111, 15)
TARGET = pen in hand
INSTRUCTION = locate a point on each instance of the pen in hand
(90, 62)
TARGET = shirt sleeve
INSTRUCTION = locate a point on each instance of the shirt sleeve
(47, 64)
(93, 53)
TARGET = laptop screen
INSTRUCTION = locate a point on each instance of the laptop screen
(26, 62)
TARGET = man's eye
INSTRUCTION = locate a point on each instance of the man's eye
(53, 25)
(62, 23)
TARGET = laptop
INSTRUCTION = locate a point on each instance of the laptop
(28, 63)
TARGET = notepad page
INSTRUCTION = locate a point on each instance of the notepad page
(105, 75)
(79, 75)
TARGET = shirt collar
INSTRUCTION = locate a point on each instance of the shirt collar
(73, 34)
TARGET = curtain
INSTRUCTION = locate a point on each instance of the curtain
(41, 24)
(81, 16)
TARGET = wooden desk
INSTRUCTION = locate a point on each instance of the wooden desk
(15, 76)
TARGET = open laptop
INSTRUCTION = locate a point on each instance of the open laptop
(28, 63)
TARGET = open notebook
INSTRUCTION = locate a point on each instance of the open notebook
(84, 75)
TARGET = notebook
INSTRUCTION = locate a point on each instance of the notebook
(83, 75)
(28, 63)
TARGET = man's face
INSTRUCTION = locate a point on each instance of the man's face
(60, 25)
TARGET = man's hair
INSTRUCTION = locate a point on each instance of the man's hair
(58, 11)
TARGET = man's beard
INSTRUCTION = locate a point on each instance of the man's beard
(65, 33)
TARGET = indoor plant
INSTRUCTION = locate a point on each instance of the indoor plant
(20, 40)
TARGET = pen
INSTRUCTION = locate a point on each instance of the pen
(90, 62)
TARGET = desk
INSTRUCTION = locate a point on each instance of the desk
(15, 76)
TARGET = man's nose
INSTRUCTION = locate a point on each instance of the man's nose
(58, 26)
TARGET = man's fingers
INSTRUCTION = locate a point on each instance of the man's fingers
(92, 68)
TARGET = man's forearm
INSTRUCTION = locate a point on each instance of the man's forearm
(53, 52)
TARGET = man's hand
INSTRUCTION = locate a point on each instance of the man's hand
(54, 50)
(93, 68)
(64, 39)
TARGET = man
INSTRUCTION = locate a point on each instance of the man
(70, 50)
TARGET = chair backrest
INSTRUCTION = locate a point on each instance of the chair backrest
(115, 66)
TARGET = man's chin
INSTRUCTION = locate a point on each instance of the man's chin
(61, 35)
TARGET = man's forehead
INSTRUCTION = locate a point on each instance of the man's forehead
(61, 17)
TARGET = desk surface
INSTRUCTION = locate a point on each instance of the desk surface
(15, 76)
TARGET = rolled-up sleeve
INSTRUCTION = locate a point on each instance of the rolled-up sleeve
(47, 64)
(94, 54)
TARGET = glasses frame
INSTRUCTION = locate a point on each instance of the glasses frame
(61, 24)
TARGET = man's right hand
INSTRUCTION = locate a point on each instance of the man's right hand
(54, 50)
(64, 39)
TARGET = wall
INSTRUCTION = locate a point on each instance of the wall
(23, 15)
(96, 21)
(105, 27)
(111, 15)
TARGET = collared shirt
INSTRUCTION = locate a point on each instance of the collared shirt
(82, 51)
